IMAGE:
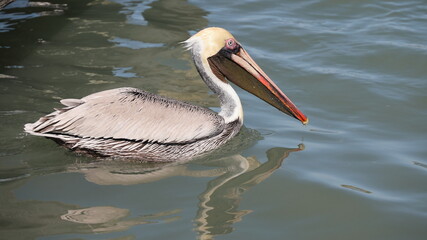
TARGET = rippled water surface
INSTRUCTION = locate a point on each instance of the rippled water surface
(357, 69)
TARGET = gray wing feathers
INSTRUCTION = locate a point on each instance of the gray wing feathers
(129, 113)
(71, 102)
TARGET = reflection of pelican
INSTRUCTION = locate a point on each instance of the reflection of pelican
(112, 219)
(128, 122)
(218, 207)
(218, 204)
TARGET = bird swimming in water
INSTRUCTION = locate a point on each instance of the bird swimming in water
(132, 123)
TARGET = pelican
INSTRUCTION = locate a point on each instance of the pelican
(132, 123)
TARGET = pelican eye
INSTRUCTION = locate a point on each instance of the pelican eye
(232, 45)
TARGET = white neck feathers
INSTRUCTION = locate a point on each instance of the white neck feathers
(231, 107)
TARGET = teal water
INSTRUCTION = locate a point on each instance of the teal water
(357, 69)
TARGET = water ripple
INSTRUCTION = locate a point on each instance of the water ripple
(132, 44)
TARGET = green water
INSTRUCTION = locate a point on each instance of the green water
(357, 69)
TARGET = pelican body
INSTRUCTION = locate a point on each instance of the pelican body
(131, 123)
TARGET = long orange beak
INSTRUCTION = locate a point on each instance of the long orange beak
(242, 70)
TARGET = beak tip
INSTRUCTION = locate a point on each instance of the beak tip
(305, 122)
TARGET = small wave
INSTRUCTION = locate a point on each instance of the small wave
(14, 178)
(132, 44)
(414, 46)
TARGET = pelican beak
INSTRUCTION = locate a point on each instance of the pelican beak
(238, 67)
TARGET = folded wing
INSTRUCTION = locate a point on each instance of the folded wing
(129, 114)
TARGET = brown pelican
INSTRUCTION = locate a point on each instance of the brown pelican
(131, 123)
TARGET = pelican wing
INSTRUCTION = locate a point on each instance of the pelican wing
(132, 114)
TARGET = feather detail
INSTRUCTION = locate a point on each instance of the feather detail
(132, 114)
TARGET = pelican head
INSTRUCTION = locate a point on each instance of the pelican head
(219, 55)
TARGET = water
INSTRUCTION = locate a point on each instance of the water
(355, 68)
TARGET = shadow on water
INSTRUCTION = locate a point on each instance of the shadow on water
(218, 206)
